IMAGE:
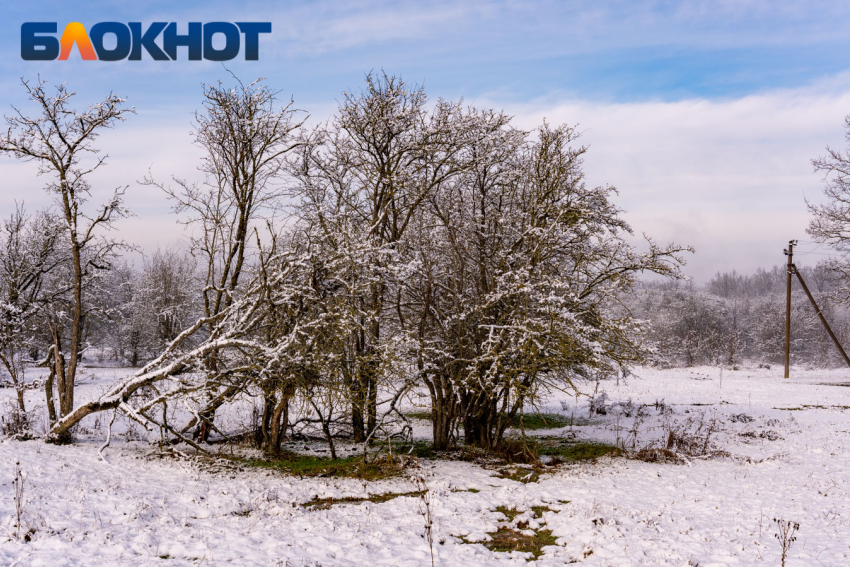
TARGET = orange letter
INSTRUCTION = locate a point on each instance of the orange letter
(75, 32)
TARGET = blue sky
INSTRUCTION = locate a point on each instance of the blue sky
(704, 114)
(615, 51)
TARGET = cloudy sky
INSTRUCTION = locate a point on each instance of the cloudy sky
(704, 114)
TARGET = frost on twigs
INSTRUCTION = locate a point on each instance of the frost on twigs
(429, 246)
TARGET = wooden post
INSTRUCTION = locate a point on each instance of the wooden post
(822, 318)
(790, 254)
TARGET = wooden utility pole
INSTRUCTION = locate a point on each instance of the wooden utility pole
(820, 314)
(790, 254)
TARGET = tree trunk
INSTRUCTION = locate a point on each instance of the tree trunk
(207, 415)
(443, 411)
(480, 421)
(372, 405)
(21, 405)
(326, 428)
(272, 428)
(275, 419)
(280, 419)
(66, 399)
(357, 424)
(357, 391)
(58, 373)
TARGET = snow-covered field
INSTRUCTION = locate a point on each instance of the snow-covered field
(792, 462)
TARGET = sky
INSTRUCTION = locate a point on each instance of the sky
(704, 114)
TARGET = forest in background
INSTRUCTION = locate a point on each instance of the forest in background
(737, 318)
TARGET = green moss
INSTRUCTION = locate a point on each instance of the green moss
(309, 466)
(529, 421)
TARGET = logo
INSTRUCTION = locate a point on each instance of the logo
(114, 41)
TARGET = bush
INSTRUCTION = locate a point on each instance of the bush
(15, 423)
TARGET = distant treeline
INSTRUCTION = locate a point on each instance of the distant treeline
(736, 318)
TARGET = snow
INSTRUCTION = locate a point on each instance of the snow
(141, 509)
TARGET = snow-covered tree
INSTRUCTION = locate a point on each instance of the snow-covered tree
(244, 135)
(522, 267)
(362, 181)
(60, 140)
(27, 255)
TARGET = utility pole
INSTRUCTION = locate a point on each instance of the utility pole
(790, 253)
(820, 314)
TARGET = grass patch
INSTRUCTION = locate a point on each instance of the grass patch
(534, 421)
(311, 466)
(419, 449)
(505, 540)
(572, 452)
(529, 421)
(523, 475)
(509, 513)
(325, 503)
(419, 414)
(658, 455)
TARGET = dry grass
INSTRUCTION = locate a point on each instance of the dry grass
(325, 503)
(656, 455)
(508, 539)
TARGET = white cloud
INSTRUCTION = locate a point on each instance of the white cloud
(551, 28)
(728, 176)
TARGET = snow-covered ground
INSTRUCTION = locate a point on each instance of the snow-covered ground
(792, 462)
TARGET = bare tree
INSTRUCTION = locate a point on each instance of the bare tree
(522, 291)
(430, 245)
(245, 357)
(61, 141)
(148, 307)
(830, 222)
(245, 137)
(27, 255)
(362, 180)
